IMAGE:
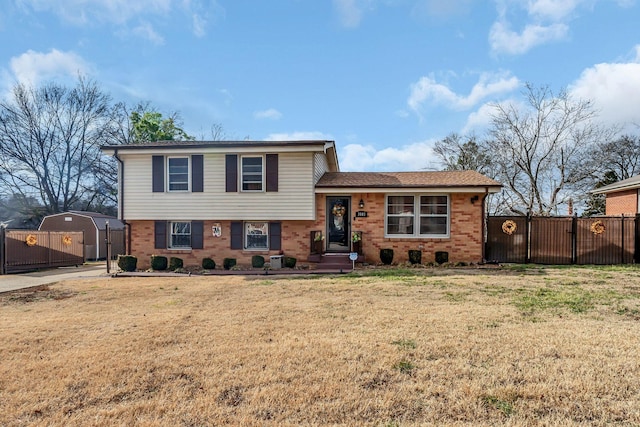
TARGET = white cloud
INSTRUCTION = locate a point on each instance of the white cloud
(299, 136)
(488, 85)
(270, 114)
(350, 11)
(614, 88)
(122, 12)
(199, 25)
(145, 30)
(32, 67)
(479, 120)
(552, 9)
(81, 12)
(504, 40)
(412, 157)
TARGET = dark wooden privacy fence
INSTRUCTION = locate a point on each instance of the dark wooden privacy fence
(24, 250)
(563, 240)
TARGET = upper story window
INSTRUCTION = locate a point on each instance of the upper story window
(417, 216)
(178, 173)
(252, 173)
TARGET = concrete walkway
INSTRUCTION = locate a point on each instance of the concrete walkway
(12, 282)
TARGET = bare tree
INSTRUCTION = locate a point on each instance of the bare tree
(620, 157)
(463, 153)
(542, 150)
(49, 143)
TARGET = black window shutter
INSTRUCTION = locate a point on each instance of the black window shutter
(231, 172)
(160, 231)
(197, 234)
(236, 235)
(197, 173)
(157, 168)
(272, 172)
(275, 239)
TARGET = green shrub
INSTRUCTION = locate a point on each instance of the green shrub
(127, 262)
(257, 261)
(229, 263)
(208, 264)
(289, 261)
(415, 257)
(175, 263)
(158, 262)
(386, 256)
(442, 257)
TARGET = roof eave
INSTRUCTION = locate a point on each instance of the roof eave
(491, 189)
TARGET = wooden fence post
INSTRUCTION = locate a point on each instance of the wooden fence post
(107, 237)
(636, 252)
(622, 242)
(574, 238)
(3, 257)
(527, 238)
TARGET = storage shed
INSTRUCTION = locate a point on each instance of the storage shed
(94, 226)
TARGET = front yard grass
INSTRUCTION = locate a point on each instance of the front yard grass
(469, 347)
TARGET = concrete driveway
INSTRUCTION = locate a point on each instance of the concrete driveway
(12, 282)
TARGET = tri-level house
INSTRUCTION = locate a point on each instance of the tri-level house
(236, 199)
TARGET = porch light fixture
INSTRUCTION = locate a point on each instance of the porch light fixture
(361, 204)
(474, 199)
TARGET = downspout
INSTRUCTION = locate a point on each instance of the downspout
(484, 224)
(121, 201)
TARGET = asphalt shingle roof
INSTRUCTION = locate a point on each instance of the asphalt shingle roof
(406, 179)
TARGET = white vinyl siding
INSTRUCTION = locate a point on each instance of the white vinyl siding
(294, 200)
(320, 166)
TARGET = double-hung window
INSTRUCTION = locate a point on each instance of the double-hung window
(179, 235)
(400, 215)
(417, 216)
(252, 173)
(178, 173)
(256, 235)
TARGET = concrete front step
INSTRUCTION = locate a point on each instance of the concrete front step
(335, 262)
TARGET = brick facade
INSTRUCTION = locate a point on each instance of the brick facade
(463, 244)
(295, 243)
(622, 202)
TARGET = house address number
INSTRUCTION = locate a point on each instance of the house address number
(361, 214)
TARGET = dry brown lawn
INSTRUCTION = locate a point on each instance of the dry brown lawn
(534, 346)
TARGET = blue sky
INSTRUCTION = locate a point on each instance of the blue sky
(385, 79)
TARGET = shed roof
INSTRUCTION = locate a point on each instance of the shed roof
(431, 179)
(625, 184)
(99, 219)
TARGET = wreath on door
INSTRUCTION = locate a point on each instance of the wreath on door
(338, 210)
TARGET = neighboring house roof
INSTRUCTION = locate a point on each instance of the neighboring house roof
(391, 180)
(100, 220)
(626, 184)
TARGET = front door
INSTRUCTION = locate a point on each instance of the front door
(338, 224)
